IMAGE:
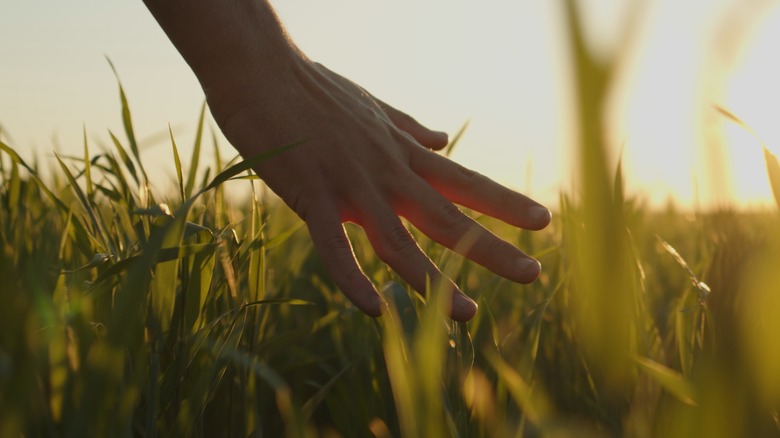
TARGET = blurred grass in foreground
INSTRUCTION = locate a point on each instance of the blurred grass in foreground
(126, 312)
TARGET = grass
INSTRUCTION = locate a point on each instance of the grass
(129, 314)
(132, 313)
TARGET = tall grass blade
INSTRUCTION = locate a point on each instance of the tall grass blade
(166, 277)
(246, 165)
(257, 252)
(96, 229)
(17, 159)
(404, 307)
(605, 297)
(87, 166)
(125, 158)
(402, 378)
(195, 159)
(14, 190)
(533, 406)
(201, 272)
(220, 202)
(177, 163)
(456, 139)
(429, 354)
(127, 120)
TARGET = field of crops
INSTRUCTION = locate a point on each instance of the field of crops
(127, 311)
(130, 312)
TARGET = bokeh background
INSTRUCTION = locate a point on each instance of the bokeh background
(502, 65)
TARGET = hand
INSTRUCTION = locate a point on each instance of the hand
(362, 161)
(368, 163)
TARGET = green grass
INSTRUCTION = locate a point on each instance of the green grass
(130, 312)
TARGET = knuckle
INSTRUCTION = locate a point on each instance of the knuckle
(353, 275)
(396, 240)
(450, 217)
(450, 212)
(338, 245)
(467, 175)
(497, 246)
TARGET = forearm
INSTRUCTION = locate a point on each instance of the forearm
(227, 43)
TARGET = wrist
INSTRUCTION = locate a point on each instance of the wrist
(228, 44)
(259, 75)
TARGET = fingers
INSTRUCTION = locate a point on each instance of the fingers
(396, 247)
(443, 222)
(470, 189)
(330, 240)
(428, 138)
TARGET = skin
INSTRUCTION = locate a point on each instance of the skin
(362, 160)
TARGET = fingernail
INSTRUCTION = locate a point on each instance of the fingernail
(464, 304)
(529, 267)
(444, 138)
(539, 214)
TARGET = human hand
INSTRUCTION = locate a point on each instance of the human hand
(363, 161)
(368, 163)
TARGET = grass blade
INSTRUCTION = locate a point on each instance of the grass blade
(87, 166)
(125, 158)
(195, 153)
(14, 190)
(669, 379)
(177, 162)
(17, 159)
(456, 139)
(283, 236)
(245, 165)
(257, 252)
(533, 407)
(127, 120)
(84, 202)
(702, 288)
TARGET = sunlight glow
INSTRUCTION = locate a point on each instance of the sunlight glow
(674, 144)
(503, 66)
(754, 95)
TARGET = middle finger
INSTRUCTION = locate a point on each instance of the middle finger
(443, 222)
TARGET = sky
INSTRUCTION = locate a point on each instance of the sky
(502, 65)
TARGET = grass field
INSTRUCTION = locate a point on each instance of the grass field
(130, 312)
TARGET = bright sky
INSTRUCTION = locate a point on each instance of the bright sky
(501, 64)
